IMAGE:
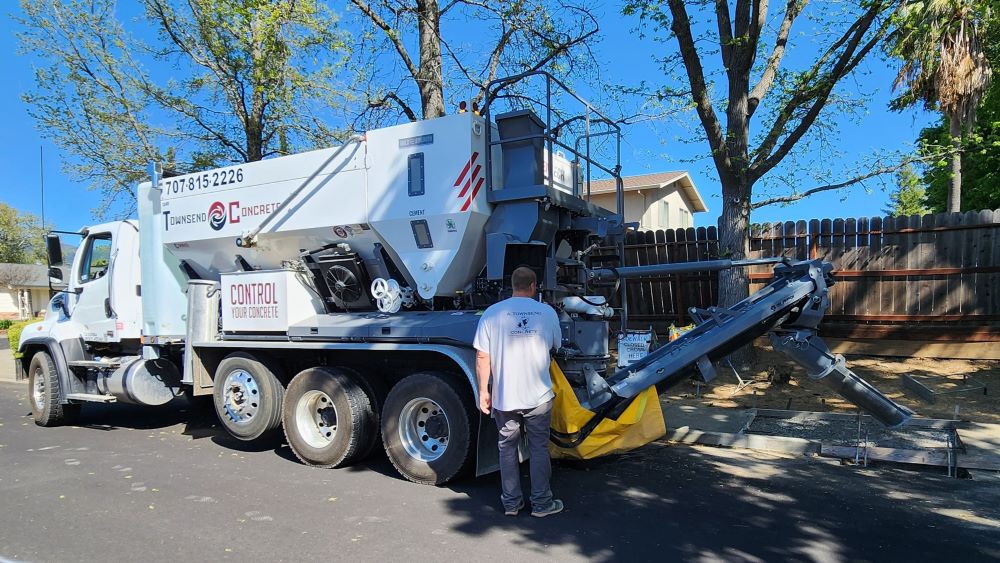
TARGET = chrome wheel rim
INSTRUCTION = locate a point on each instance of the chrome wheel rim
(241, 396)
(38, 389)
(316, 419)
(424, 429)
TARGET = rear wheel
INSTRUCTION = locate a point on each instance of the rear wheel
(329, 420)
(46, 392)
(248, 396)
(427, 427)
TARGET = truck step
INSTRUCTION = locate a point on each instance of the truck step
(91, 397)
(91, 364)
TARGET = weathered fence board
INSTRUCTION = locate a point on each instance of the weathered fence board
(897, 277)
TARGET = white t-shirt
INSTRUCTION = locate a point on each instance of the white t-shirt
(518, 334)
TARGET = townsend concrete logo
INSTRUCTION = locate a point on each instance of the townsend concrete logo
(217, 215)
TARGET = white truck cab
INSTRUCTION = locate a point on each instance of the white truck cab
(88, 346)
(103, 286)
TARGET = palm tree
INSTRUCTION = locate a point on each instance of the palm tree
(944, 66)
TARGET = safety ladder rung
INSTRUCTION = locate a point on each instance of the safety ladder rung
(91, 397)
(91, 364)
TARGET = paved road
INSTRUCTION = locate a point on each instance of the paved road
(160, 485)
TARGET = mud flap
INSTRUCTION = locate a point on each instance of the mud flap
(577, 433)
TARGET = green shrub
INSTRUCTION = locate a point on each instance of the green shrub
(5, 323)
(14, 334)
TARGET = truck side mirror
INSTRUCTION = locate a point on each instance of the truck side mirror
(55, 274)
(53, 250)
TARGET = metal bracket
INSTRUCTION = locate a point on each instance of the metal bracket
(706, 369)
(741, 383)
(597, 388)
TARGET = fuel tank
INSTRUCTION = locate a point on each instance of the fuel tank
(142, 382)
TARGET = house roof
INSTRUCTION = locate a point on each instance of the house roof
(24, 275)
(654, 181)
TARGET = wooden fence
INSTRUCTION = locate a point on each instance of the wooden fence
(932, 277)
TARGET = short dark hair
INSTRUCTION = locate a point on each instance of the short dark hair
(522, 278)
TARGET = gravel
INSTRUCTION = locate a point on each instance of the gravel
(845, 433)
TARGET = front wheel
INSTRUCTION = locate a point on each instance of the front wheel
(247, 396)
(427, 427)
(46, 392)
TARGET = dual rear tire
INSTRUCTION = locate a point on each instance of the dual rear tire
(428, 427)
(331, 420)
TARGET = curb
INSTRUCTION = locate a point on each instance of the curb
(779, 444)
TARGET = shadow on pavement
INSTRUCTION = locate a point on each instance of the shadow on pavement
(719, 504)
(693, 503)
(198, 422)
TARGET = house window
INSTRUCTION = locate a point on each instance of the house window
(664, 221)
(686, 218)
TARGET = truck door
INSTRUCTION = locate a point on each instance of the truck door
(91, 278)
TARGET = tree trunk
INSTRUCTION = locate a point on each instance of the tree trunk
(255, 140)
(429, 77)
(734, 227)
(254, 123)
(734, 244)
(955, 191)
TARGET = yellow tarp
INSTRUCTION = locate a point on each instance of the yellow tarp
(641, 423)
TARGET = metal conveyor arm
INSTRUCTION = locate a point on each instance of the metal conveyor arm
(789, 308)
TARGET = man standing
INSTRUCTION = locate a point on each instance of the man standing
(513, 343)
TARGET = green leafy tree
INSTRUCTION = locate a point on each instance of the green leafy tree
(909, 196)
(980, 161)
(21, 237)
(945, 67)
(980, 148)
(224, 81)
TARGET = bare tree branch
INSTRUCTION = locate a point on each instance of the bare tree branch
(792, 10)
(871, 173)
(391, 34)
(393, 97)
(681, 26)
(816, 93)
(541, 63)
(725, 32)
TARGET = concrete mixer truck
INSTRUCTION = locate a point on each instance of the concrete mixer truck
(334, 294)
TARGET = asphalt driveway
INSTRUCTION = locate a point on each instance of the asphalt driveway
(168, 485)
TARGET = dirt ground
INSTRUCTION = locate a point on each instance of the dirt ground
(801, 393)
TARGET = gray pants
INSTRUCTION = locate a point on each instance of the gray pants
(536, 428)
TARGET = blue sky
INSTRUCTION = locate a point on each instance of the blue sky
(648, 147)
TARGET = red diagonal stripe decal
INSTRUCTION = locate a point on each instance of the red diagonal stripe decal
(475, 174)
(465, 170)
(472, 197)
